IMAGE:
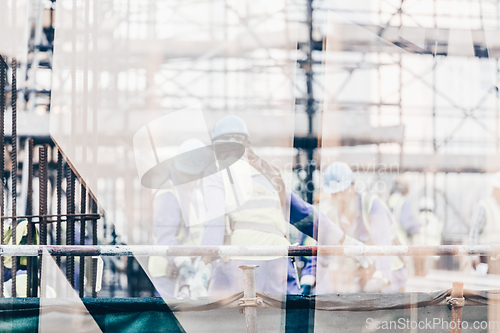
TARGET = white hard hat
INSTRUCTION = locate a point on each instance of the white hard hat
(337, 177)
(192, 157)
(496, 180)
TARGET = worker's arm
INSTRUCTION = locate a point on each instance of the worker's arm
(304, 217)
(167, 221)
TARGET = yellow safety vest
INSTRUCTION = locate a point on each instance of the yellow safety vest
(22, 285)
(254, 209)
(491, 230)
(158, 266)
(22, 232)
(398, 235)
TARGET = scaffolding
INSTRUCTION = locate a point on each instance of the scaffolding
(385, 39)
(403, 47)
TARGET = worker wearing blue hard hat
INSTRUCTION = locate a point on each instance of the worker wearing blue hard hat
(373, 224)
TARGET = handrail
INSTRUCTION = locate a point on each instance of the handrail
(248, 251)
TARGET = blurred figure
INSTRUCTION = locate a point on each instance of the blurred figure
(255, 218)
(485, 227)
(401, 208)
(430, 232)
(373, 224)
(22, 277)
(259, 220)
(176, 222)
(337, 273)
(22, 262)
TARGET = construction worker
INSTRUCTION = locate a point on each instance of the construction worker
(430, 232)
(485, 226)
(176, 222)
(401, 208)
(258, 220)
(339, 272)
(22, 274)
(22, 277)
(257, 217)
(373, 225)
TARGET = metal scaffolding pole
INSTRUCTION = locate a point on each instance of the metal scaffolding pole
(260, 251)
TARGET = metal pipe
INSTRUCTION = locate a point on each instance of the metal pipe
(58, 195)
(456, 300)
(3, 79)
(70, 225)
(94, 243)
(83, 205)
(14, 172)
(36, 58)
(31, 269)
(262, 251)
(46, 216)
(249, 302)
(42, 177)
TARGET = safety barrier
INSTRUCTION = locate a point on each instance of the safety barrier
(262, 251)
(250, 301)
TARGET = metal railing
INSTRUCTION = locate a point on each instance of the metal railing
(247, 251)
(88, 207)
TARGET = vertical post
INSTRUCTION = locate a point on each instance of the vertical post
(83, 204)
(3, 79)
(311, 108)
(42, 198)
(70, 224)
(58, 194)
(457, 302)
(250, 300)
(94, 242)
(31, 270)
(400, 89)
(14, 172)
(42, 174)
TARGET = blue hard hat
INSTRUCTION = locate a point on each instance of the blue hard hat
(192, 157)
(230, 125)
(337, 177)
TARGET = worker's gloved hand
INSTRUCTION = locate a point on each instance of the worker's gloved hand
(199, 285)
(377, 283)
(363, 261)
(306, 290)
(306, 284)
(185, 266)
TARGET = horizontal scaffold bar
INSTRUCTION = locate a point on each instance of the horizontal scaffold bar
(247, 251)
